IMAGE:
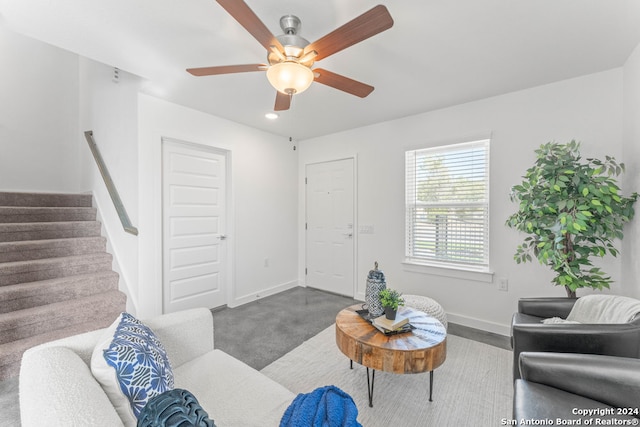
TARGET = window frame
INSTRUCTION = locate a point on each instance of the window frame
(446, 265)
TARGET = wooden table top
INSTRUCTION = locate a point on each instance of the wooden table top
(421, 350)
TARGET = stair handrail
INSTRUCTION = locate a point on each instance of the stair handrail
(111, 187)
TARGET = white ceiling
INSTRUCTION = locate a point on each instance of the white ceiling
(438, 53)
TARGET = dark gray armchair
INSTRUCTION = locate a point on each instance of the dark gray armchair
(566, 385)
(528, 333)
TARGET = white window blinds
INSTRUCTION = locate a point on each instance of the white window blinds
(447, 205)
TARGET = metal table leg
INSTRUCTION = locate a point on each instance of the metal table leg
(370, 386)
(430, 386)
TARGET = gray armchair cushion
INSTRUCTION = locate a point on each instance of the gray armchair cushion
(553, 384)
(528, 333)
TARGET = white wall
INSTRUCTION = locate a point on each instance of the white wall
(50, 96)
(264, 205)
(631, 155)
(588, 109)
(38, 116)
(110, 110)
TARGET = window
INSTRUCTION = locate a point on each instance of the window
(447, 206)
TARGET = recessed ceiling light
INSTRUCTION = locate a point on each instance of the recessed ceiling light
(271, 116)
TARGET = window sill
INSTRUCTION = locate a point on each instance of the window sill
(485, 276)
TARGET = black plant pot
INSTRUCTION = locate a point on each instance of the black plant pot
(390, 313)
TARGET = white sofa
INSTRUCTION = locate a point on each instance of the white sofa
(57, 387)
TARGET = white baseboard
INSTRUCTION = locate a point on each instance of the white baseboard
(241, 300)
(496, 328)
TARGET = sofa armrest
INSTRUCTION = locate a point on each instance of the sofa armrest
(185, 334)
(608, 379)
(546, 307)
(57, 389)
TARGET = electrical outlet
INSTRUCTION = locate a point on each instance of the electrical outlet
(503, 284)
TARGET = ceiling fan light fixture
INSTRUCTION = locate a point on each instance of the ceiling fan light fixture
(290, 77)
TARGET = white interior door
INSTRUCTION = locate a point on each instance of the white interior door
(194, 221)
(330, 226)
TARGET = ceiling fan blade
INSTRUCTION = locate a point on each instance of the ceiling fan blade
(283, 101)
(250, 21)
(361, 28)
(226, 69)
(342, 83)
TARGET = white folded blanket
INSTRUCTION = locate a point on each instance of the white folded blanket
(600, 309)
(604, 309)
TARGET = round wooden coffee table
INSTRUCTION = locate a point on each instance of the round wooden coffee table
(421, 350)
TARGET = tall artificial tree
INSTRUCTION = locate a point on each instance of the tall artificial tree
(572, 210)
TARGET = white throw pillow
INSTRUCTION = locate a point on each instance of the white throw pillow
(132, 366)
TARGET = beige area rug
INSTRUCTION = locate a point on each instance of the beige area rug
(472, 388)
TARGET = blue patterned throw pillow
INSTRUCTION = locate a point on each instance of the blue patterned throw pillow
(132, 366)
(174, 408)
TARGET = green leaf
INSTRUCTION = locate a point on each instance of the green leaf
(585, 191)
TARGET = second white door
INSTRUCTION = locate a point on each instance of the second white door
(194, 223)
(330, 226)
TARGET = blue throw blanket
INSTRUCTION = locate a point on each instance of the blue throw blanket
(324, 407)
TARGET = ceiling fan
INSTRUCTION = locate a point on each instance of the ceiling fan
(290, 57)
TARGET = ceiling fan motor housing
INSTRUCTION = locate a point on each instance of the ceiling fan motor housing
(290, 24)
(292, 42)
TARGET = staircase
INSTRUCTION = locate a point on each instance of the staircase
(56, 278)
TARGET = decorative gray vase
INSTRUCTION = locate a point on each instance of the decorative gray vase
(375, 283)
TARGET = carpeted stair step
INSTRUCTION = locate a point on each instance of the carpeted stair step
(40, 320)
(50, 268)
(48, 230)
(11, 353)
(44, 199)
(39, 249)
(56, 278)
(27, 295)
(13, 214)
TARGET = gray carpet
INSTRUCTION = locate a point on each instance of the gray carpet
(262, 331)
(56, 278)
(472, 387)
(10, 415)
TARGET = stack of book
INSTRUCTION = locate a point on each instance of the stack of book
(390, 327)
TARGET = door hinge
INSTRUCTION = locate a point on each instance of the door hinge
(305, 180)
(306, 226)
(305, 271)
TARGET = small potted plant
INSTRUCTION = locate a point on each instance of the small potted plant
(390, 300)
